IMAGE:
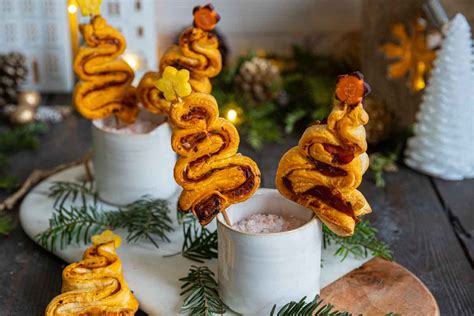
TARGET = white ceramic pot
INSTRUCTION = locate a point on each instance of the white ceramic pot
(128, 166)
(257, 271)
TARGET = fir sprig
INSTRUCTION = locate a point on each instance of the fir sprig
(199, 243)
(363, 242)
(145, 218)
(63, 191)
(379, 163)
(200, 291)
(316, 307)
(74, 224)
(13, 140)
(19, 138)
(6, 224)
(9, 182)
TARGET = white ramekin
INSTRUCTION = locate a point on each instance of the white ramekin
(256, 271)
(128, 166)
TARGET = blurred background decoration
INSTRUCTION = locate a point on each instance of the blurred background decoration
(281, 56)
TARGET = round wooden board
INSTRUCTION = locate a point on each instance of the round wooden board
(380, 287)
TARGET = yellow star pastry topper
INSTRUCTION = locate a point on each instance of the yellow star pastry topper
(89, 7)
(174, 83)
(105, 237)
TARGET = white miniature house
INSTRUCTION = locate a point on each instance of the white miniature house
(45, 31)
(39, 29)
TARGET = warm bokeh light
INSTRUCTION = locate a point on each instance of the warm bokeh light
(29, 97)
(232, 115)
(72, 8)
(133, 60)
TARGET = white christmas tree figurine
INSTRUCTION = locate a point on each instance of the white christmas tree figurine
(443, 144)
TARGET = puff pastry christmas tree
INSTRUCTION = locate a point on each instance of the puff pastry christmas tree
(105, 86)
(209, 169)
(95, 285)
(197, 51)
(323, 172)
(443, 145)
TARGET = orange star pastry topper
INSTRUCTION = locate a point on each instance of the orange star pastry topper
(205, 17)
(89, 7)
(413, 57)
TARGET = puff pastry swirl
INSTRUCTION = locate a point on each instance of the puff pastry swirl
(323, 172)
(105, 85)
(94, 286)
(198, 52)
(211, 172)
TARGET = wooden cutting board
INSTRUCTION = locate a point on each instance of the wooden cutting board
(379, 287)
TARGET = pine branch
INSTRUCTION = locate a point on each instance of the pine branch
(6, 224)
(200, 291)
(146, 218)
(379, 163)
(199, 243)
(363, 242)
(63, 191)
(9, 182)
(73, 225)
(185, 218)
(316, 307)
(23, 137)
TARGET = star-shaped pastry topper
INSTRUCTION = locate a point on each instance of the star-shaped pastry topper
(89, 7)
(105, 237)
(351, 88)
(174, 83)
(412, 53)
(205, 17)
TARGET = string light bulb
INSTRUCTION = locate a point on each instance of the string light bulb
(72, 8)
(133, 60)
(30, 97)
(232, 115)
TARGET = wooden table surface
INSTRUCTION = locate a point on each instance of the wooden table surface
(429, 224)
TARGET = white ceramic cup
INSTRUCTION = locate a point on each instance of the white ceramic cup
(128, 166)
(256, 271)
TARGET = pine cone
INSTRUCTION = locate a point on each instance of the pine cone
(381, 119)
(257, 78)
(13, 72)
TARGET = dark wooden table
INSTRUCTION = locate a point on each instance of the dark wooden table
(429, 224)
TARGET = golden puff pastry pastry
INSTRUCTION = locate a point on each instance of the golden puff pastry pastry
(211, 172)
(105, 86)
(94, 286)
(198, 52)
(323, 172)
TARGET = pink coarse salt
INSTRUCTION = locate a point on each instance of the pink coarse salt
(267, 223)
(145, 123)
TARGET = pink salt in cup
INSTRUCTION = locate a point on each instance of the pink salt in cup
(258, 270)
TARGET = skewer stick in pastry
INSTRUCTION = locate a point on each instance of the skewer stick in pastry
(105, 86)
(209, 169)
(95, 285)
(198, 52)
(323, 172)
